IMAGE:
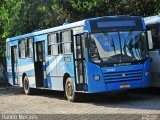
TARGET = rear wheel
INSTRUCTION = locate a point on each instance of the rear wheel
(70, 90)
(27, 89)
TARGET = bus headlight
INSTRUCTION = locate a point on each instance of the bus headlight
(146, 73)
(97, 77)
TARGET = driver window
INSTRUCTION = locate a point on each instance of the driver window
(94, 51)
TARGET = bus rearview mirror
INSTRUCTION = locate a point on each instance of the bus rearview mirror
(150, 42)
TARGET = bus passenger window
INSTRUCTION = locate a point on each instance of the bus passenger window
(94, 51)
(22, 48)
(66, 42)
(30, 47)
(8, 50)
(53, 44)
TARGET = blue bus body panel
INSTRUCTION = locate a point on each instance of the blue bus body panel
(26, 65)
(40, 38)
(146, 81)
(93, 85)
(114, 78)
(116, 86)
(57, 67)
(69, 66)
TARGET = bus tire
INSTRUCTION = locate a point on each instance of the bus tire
(26, 87)
(70, 90)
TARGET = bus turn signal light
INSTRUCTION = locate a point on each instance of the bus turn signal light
(97, 77)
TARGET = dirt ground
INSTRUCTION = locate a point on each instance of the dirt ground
(14, 101)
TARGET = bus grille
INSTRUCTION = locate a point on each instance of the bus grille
(123, 76)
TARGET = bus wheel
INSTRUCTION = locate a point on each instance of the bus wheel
(69, 90)
(26, 87)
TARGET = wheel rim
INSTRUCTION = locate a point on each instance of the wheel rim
(69, 89)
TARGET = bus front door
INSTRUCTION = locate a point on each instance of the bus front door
(79, 58)
(39, 63)
(14, 57)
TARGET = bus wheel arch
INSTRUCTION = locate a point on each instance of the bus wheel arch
(69, 89)
(26, 86)
(66, 75)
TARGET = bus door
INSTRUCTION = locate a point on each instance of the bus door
(14, 63)
(79, 59)
(39, 63)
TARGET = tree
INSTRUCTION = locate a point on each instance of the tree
(23, 16)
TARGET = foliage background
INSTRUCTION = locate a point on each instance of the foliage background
(24, 16)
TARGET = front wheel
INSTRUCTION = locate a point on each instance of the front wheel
(70, 91)
(27, 89)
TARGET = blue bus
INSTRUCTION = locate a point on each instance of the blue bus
(153, 26)
(95, 55)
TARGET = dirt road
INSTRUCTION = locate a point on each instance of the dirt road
(13, 101)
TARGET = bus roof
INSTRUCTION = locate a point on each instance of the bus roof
(67, 26)
(152, 20)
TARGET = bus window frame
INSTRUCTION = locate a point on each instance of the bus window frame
(63, 43)
(19, 48)
(28, 48)
(57, 43)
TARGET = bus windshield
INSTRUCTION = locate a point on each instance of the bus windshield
(118, 47)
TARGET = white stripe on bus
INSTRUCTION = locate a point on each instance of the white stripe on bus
(31, 66)
(53, 64)
(48, 59)
(26, 68)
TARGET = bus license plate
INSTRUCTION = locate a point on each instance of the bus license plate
(124, 86)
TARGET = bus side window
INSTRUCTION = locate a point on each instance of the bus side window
(93, 50)
(53, 44)
(66, 41)
(22, 48)
(30, 47)
(8, 50)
